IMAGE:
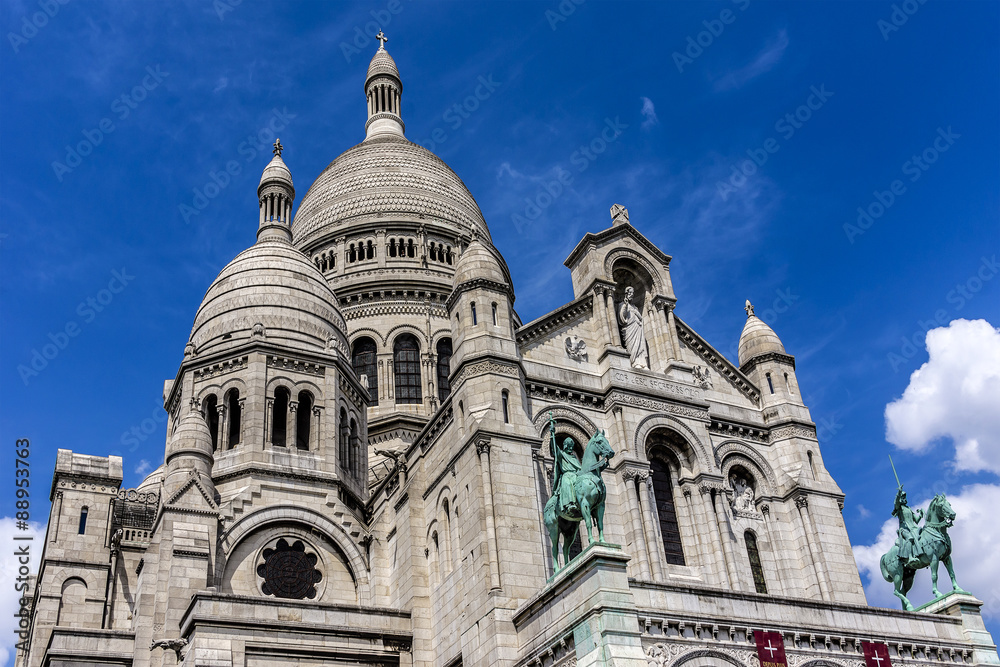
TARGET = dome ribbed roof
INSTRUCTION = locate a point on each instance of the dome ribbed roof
(386, 176)
(274, 285)
(478, 262)
(382, 63)
(276, 170)
(192, 437)
(757, 339)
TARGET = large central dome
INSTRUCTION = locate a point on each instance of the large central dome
(385, 176)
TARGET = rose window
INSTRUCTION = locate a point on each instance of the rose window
(289, 572)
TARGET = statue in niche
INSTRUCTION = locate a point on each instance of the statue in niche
(632, 331)
(743, 502)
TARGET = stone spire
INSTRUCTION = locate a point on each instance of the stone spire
(384, 91)
(275, 194)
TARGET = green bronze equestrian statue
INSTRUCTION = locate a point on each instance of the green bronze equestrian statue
(918, 547)
(578, 492)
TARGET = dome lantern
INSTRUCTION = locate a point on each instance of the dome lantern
(275, 195)
(384, 91)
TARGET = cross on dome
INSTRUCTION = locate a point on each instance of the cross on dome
(748, 308)
(382, 39)
(278, 147)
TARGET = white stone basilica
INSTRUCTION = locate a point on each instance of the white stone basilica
(358, 456)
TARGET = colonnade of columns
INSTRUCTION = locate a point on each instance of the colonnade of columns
(275, 206)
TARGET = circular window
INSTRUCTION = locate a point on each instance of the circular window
(288, 571)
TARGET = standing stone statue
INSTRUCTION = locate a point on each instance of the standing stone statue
(635, 338)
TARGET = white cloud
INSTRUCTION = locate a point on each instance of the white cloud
(975, 535)
(955, 395)
(864, 511)
(9, 566)
(648, 113)
(143, 467)
(764, 61)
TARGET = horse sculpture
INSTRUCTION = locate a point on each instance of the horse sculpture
(929, 546)
(562, 515)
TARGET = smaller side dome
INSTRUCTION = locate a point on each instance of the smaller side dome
(192, 439)
(757, 338)
(276, 172)
(382, 63)
(478, 262)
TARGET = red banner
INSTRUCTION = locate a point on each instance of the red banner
(876, 654)
(770, 649)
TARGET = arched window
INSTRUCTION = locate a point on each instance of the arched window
(364, 360)
(83, 520)
(392, 247)
(443, 367)
(753, 553)
(371, 250)
(409, 248)
(342, 441)
(406, 367)
(474, 318)
(235, 417)
(812, 466)
(669, 530)
(505, 405)
(770, 385)
(495, 323)
(212, 419)
(279, 417)
(303, 419)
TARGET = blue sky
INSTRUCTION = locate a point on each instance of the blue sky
(899, 119)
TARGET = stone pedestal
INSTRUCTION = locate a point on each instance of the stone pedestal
(966, 607)
(586, 609)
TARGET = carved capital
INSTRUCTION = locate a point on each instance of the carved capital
(801, 501)
(483, 446)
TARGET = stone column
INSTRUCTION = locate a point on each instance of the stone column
(224, 424)
(483, 447)
(649, 527)
(639, 540)
(779, 586)
(687, 522)
(653, 329)
(314, 436)
(615, 338)
(619, 415)
(268, 420)
(220, 410)
(723, 539)
(663, 310)
(707, 512)
(809, 533)
(291, 425)
(672, 331)
(381, 249)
